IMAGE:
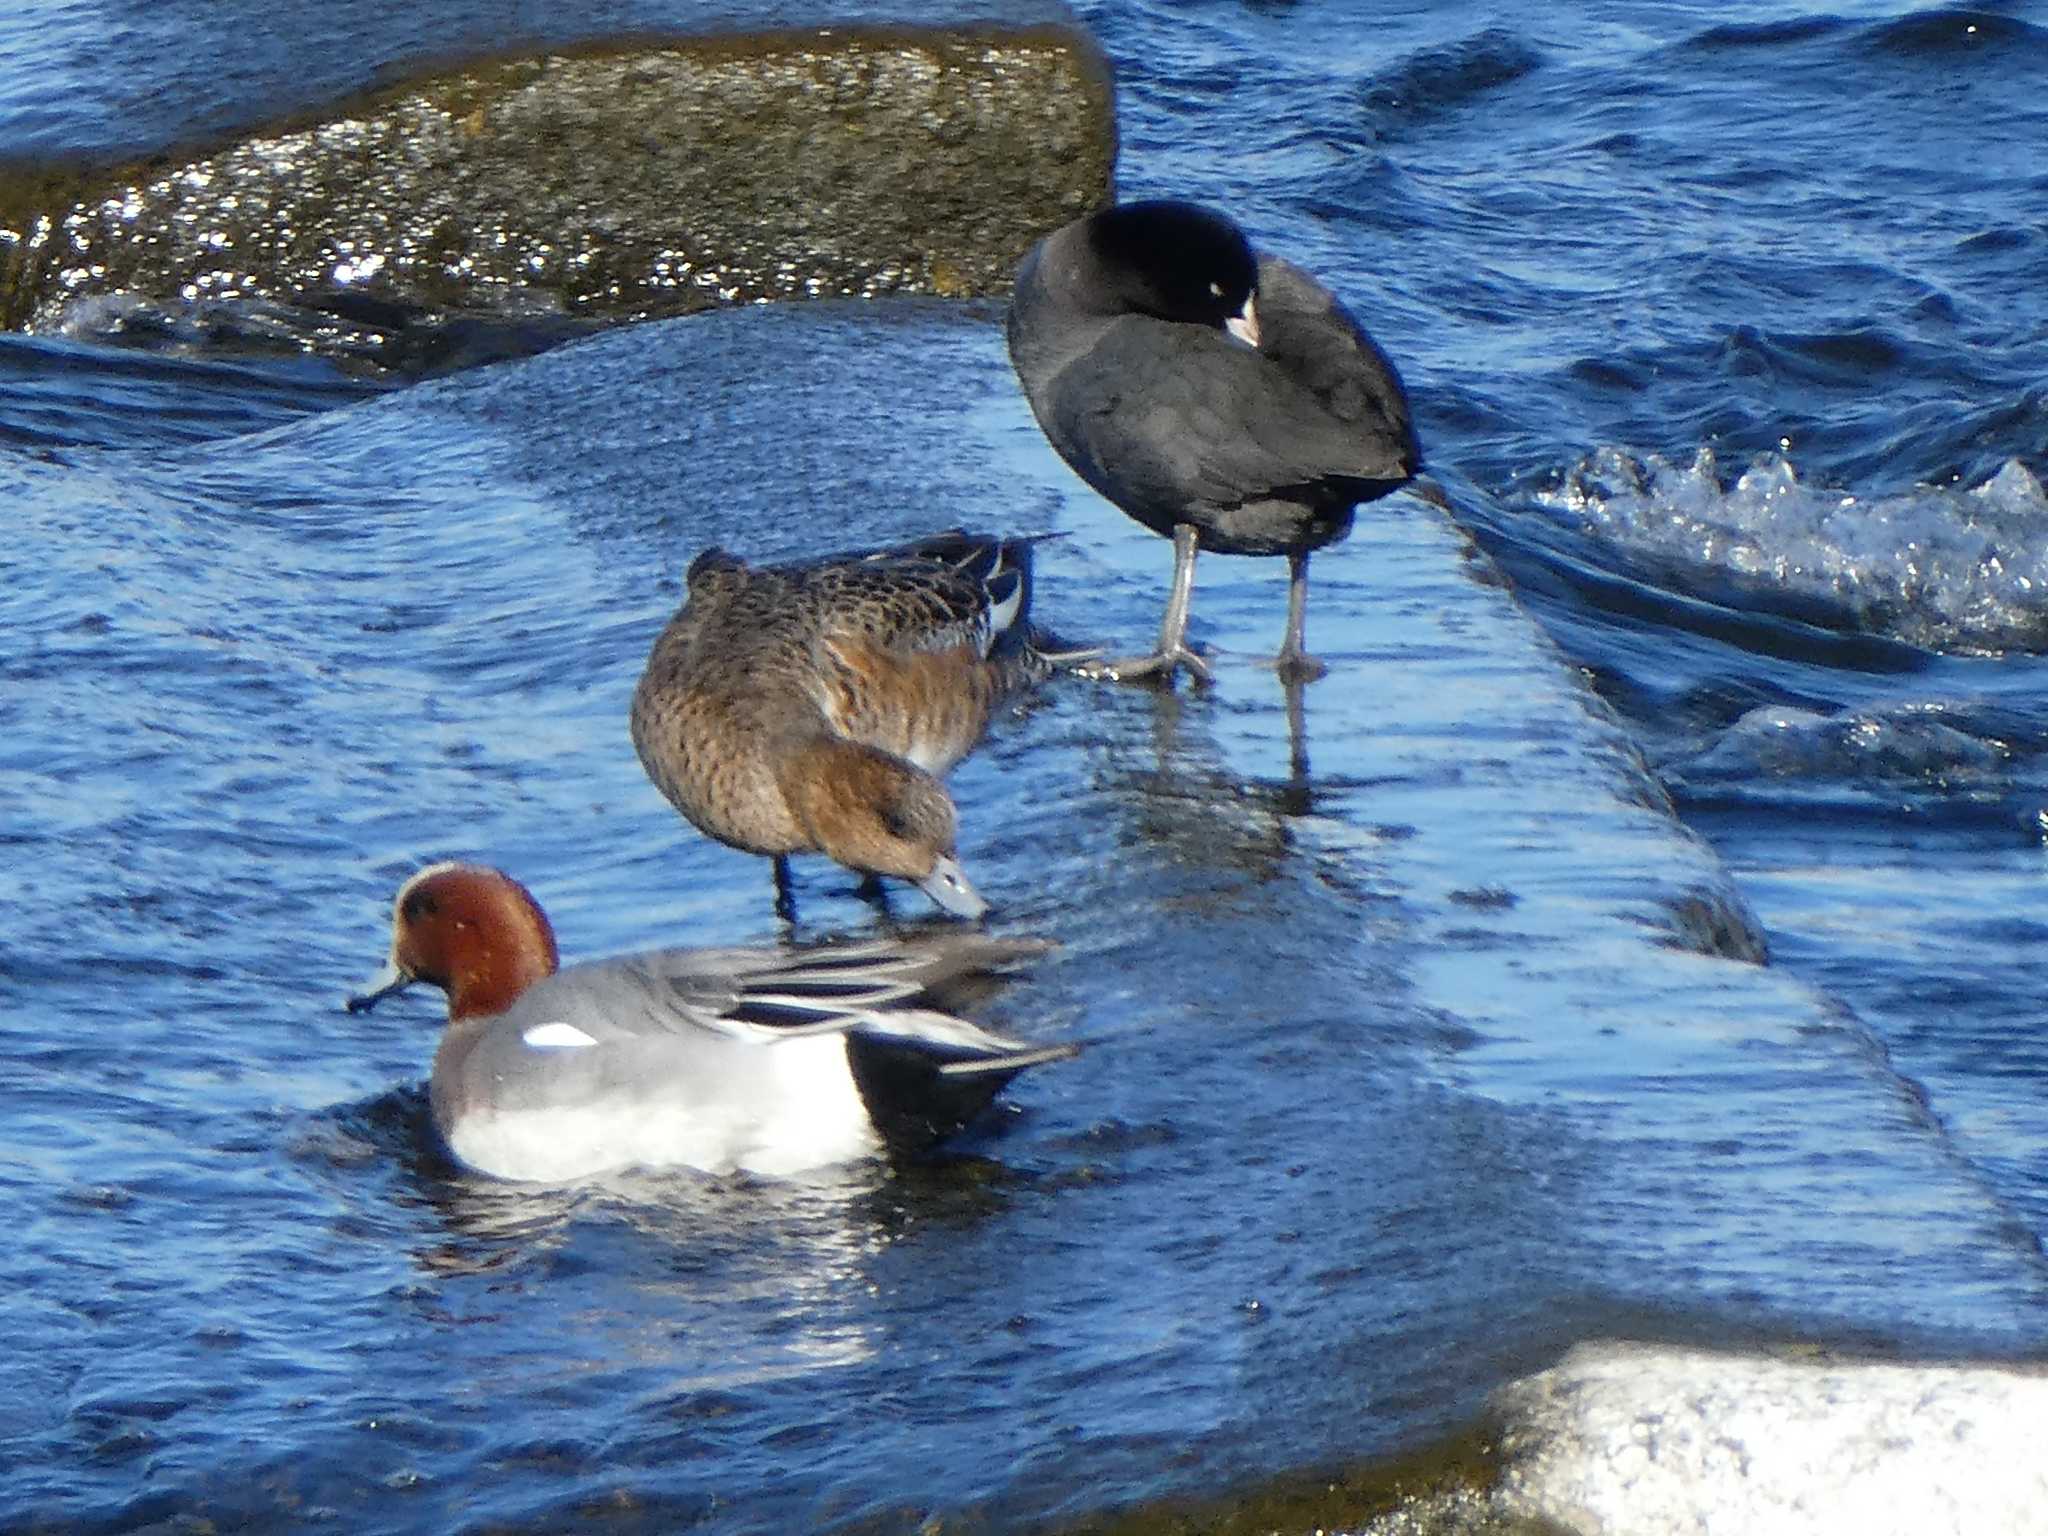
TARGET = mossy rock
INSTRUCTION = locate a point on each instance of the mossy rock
(607, 182)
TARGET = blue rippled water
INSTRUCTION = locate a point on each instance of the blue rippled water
(1728, 329)
(1728, 335)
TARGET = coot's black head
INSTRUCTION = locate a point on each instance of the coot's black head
(1175, 261)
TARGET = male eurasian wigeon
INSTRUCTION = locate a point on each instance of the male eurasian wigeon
(812, 707)
(772, 1060)
(1223, 398)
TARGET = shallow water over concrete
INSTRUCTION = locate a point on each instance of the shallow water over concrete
(1405, 1064)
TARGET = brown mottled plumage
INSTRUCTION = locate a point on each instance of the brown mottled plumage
(812, 707)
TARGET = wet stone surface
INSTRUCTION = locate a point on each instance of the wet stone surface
(605, 182)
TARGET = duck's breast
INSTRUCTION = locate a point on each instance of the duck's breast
(707, 720)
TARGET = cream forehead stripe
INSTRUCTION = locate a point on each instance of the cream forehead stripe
(446, 866)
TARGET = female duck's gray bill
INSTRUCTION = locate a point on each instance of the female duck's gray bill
(380, 986)
(948, 885)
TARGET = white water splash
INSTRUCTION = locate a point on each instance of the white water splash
(1907, 743)
(1949, 569)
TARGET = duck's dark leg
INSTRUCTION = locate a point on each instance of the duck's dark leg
(1294, 663)
(785, 890)
(1172, 651)
(875, 893)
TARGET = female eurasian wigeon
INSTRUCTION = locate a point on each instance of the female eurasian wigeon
(1223, 398)
(812, 707)
(772, 1060)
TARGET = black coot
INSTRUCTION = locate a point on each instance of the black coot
(1222, 398)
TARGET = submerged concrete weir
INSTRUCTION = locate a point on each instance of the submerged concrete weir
(1452, 836)
(609, 181)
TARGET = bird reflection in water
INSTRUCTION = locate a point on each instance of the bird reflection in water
(1199, 809)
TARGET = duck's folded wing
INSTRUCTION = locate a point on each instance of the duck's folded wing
(916, 604)
(758, 995)
(637, 1034)
(749, 994)
(958, 1047)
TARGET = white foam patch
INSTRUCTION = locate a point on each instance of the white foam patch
(1950, 569)
(557, 1036)
(1628, 1438)
(1908, 743)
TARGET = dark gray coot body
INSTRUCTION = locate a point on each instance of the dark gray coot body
(1224, 399)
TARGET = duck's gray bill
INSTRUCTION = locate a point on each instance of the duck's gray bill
(380, 986)
(948, 885)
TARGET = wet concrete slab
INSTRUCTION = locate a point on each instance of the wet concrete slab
(1445, 865)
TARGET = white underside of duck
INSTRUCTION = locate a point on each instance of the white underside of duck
(801, 1111)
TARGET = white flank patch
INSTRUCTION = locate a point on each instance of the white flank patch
(1001, 615)
(557, 1036)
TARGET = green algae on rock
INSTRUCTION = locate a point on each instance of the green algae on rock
(611, 182)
